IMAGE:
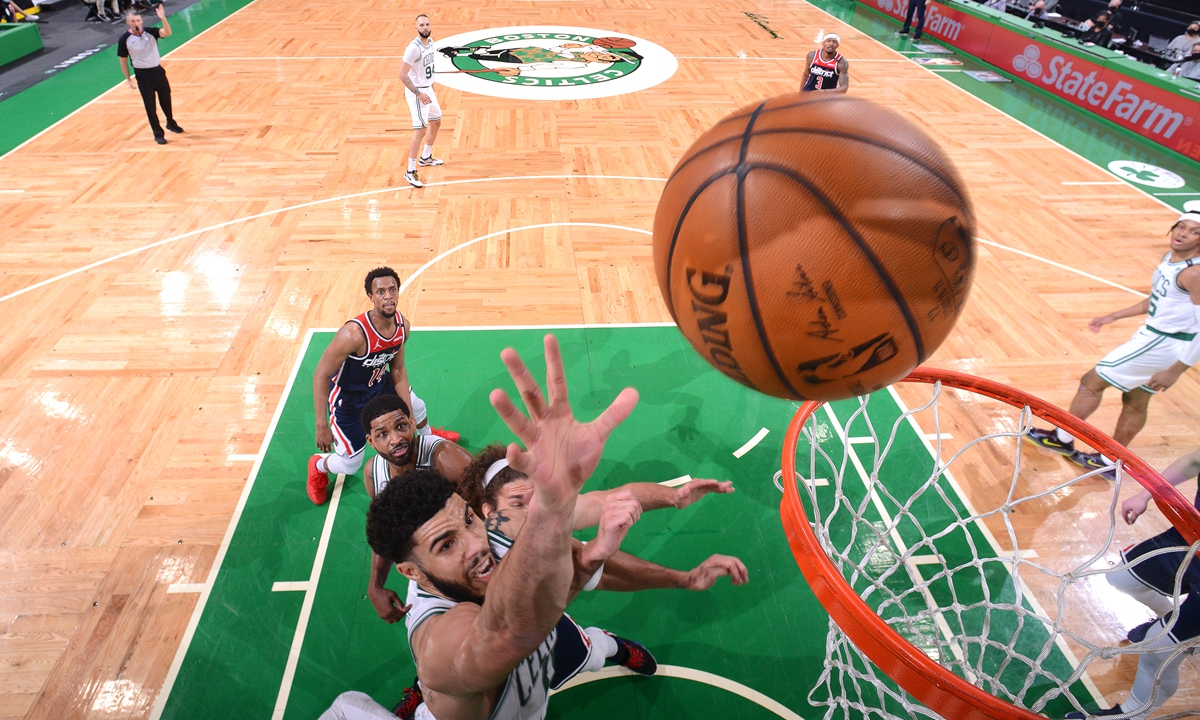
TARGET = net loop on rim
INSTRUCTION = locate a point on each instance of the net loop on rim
(984, 640)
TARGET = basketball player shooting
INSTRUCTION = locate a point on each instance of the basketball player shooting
(827, 69)
(365, 360)
(483, 633)
(1153, 359)
(416, 72)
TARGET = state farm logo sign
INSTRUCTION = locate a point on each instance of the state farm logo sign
(936, 23)
(1057, 71)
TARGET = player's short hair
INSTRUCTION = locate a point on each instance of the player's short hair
(471, 486)
(422, 15)
(404, 505)
(377, 273)
(380, 406)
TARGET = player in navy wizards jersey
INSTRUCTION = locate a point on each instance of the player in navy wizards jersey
(827, 69)
(365, 360)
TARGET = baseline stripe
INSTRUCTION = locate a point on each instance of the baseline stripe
(160, 702)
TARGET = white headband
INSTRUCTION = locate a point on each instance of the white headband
(831, 35)
(1191, 211)
(494, 470)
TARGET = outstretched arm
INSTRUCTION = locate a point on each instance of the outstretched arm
(166, 26)
(1140, 308)
(628, 573)
(476, 647)
(651, 496)
(1178, 472)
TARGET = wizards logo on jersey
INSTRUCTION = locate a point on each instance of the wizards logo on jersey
(551, 63)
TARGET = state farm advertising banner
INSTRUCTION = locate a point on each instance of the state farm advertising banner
(1150, 111)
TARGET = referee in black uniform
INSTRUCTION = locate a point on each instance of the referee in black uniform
(141, 45)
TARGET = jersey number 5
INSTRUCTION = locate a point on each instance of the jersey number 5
(1153, 305)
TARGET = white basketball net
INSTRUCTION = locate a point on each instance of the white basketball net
(955, 582)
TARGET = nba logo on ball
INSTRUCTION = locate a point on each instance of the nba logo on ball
(815, 249)
(551, 63)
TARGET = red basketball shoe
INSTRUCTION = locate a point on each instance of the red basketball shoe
(446, 434)
(318, 482)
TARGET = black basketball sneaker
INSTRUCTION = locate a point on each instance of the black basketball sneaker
(633, 655)
(1049, 439)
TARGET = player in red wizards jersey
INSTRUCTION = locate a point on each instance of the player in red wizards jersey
(364, 360)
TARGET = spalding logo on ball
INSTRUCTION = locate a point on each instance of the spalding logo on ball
(815, 249)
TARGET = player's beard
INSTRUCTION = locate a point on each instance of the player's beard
(455, 590)
(425, 35)
(402, 460)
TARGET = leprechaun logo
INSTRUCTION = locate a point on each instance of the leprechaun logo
(551, 63)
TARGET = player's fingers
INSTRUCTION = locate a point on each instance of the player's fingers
(526, 384)
(725, 487)
(512, 417)
(518, 460)
(616, 413)
(556, 379)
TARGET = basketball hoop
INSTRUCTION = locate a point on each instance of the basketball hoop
(860, 549)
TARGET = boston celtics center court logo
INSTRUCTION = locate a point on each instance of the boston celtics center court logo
(551, 63)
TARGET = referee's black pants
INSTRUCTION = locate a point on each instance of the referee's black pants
(151, 81)
(919, 7)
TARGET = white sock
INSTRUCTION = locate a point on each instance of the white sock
(1106, 460)
(1063, 436)
(1149, 665)
(412, 164)
(427, 152)
(603, 647)
(341, 465)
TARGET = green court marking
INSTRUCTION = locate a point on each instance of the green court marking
(34, 109)
(768, 636)
(1092, 137)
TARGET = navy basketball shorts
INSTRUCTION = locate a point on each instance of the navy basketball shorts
(349, 437)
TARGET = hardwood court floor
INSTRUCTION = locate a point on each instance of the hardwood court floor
(133, 394)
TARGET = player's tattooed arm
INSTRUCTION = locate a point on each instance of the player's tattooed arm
(843, 68)
(496, 521)
(506, 522)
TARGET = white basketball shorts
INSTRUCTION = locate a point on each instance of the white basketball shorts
(1134, 363)
(421, 113)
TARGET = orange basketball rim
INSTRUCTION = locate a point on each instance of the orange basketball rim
(927, 681)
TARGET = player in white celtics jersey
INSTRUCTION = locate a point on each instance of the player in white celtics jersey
(399, 448)
(484, 646)
(416, 72)
(1154, 358)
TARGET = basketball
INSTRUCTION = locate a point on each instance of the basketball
(614, 42)
(814, 249)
